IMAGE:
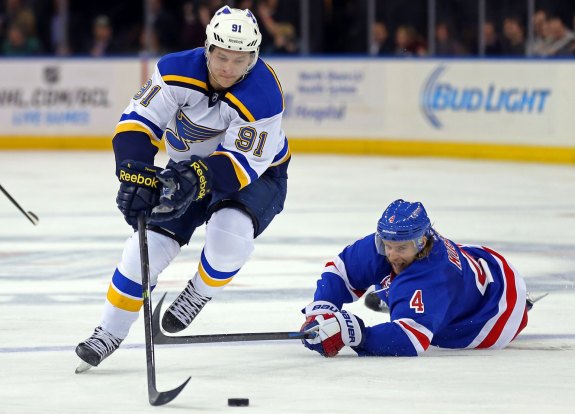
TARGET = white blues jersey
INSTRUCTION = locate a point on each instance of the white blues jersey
(457, 297)
(239, 129)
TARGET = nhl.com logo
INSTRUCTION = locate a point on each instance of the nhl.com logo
(440, 96)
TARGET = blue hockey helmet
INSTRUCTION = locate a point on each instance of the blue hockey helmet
(402, 221)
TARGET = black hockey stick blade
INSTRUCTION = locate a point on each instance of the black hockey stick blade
(155, 397)
(161, 339)
(29, 215)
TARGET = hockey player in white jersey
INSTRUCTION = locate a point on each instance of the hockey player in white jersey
(219, 110)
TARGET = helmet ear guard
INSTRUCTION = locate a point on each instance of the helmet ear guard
(403, 221)
(234, 29)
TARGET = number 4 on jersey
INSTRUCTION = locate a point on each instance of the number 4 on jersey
(416, 302)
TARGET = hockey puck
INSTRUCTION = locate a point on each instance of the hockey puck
(238, 402)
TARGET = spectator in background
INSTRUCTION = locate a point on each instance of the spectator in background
(215, 5)
(245, 4)
(18, 43)
(492, 42)
(541, 38)
(561, 39)
(102, 42)
(17, 13)
(278, 36)
(445, 44)
(285, 41)
(513, 43)
(164, 25)
(193, 33)
(408, 42)
(58, 31)
(380, 42)
(265, 14)
(153, 47)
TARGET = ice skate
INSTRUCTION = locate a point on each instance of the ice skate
(95, 349)
(184, 309)
(530, 301)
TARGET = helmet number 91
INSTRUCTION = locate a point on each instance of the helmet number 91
(236, 28)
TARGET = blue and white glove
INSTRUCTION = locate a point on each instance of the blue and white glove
(182, 183)
(333, 329)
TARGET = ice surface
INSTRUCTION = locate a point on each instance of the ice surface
(53, 280)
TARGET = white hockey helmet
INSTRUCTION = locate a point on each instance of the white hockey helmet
(234, 29)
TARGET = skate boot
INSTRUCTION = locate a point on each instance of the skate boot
(374, 302)
(95, 349)
(184, 309)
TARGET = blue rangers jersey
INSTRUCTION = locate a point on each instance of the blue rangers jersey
(460, 296)
(238, 130)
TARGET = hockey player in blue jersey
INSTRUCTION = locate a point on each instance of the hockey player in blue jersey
(219, 111)
(438, 292)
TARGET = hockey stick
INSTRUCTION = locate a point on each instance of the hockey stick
(29, 215)
(156, 397)
(162, 339)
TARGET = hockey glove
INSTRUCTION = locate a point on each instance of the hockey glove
(334, 331)
(182, 183)
(139, 189)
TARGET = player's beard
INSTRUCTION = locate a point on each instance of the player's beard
(399, 265)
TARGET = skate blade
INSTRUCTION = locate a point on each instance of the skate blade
(82, 367)
(535, 299)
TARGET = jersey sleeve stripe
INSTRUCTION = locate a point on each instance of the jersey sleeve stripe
(241, 174)
(242, 160)
(239, 106)
(418, 334)
(134, 117)
(474, 265)
(279, 84)
(134, 127)
(185, 82)
(337, 266)
(282, 156)
(501, 329)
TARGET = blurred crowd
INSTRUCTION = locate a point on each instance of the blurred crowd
(118, 28)
(552, 37)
